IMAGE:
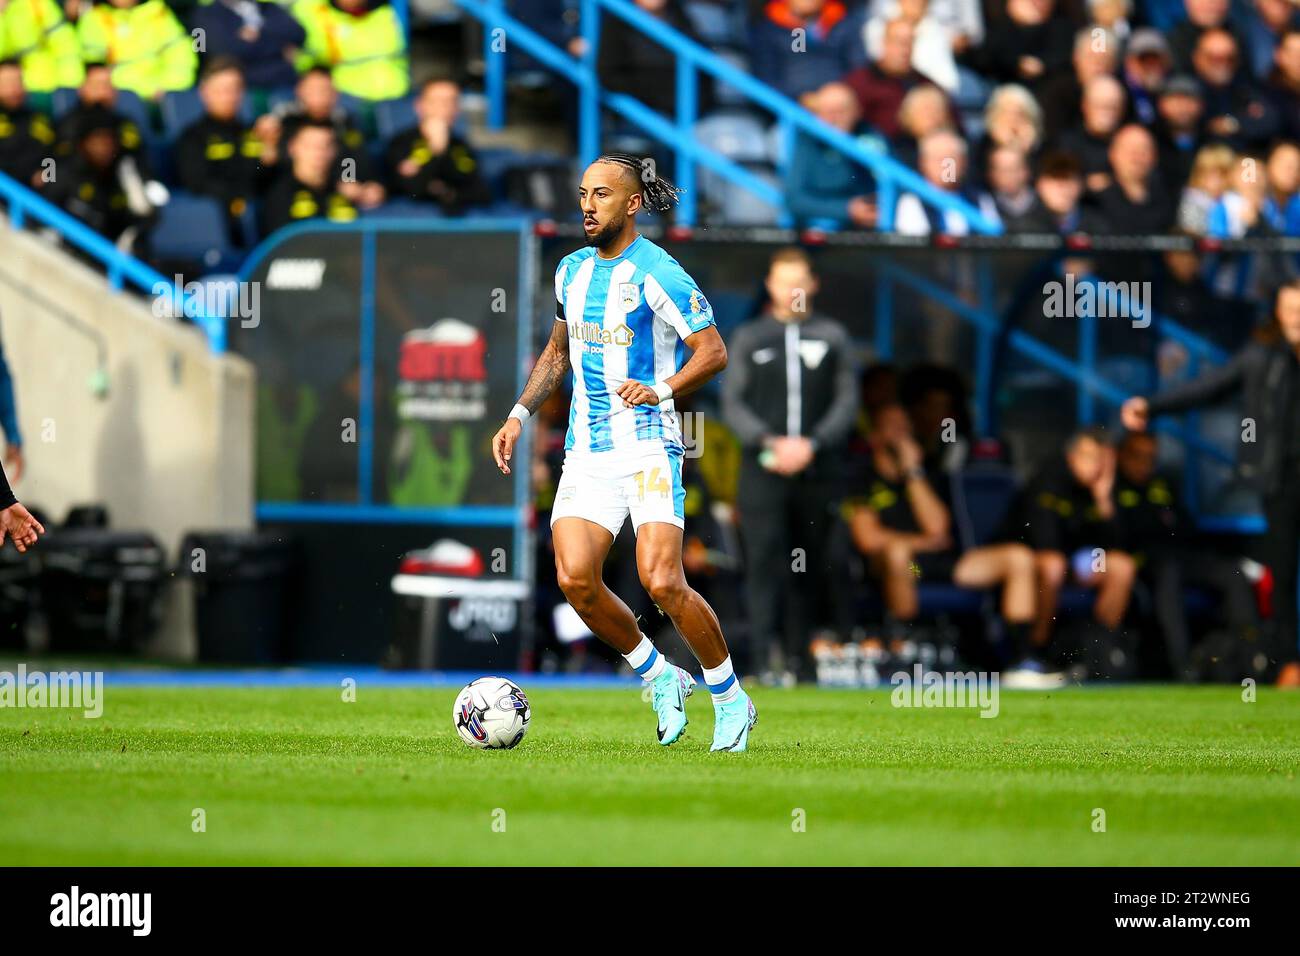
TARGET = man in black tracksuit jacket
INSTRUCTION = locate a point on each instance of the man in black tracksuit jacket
(790, 396)
(1267, 374)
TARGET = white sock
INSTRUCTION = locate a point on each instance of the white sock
(646, 660)
(722, 683)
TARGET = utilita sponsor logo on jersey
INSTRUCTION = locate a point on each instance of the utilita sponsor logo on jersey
(593, 333)
(133, 910)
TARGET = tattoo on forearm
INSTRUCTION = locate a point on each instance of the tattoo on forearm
(552, 365)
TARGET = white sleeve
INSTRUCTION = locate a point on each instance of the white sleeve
(673, 296)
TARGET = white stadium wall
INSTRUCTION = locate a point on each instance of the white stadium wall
(167, 446)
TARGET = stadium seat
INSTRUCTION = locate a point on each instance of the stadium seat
(193, 229)
(981, 496)
(743, 139)
(61, 102)
(736, 206)
(716, 24)
(404, 208)
(394, 116)
(737, 136)
(726, 95)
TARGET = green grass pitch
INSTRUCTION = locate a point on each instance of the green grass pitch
(297, 776)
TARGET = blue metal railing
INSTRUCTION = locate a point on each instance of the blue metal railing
(678, 133)
(122, 269)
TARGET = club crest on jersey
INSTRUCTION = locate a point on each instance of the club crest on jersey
(699, 304)
(629, 293)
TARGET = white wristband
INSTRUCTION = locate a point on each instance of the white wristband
(663, 390)
(520, 413)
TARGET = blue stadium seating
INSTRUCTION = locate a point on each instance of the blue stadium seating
(394, 116)
(716, 24)
(193, 229)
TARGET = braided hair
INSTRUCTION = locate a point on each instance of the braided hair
(657, 193)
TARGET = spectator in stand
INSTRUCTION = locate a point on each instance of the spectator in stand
(630, 62)
(1237, 111)
(1282, 176)
(1261, 208)
(1136, 202)
(306, 187)
(1112, 15)
(1266, 23)
(1177, 128)
(98, 96)
(1066, 514)
(790, 396)
(943, 162)
(1212, 172)
(1013, 120)
(1147, 65)
(1010, 183)
(1182, 294)
(1202, 15)
(361, 42)
(37, 34)
(1033, 43)
(923, 110)
(317, 100)
(144, 43)
(102, 190)
(1283, 85)
(831, 46)
(932, 41)
(1239, 211)
(26, 136)
(1103, 107)
(964, 19)
(1060, 190)
(880, 85)
(218, 155)
(825, 186)
(262, 36)
(903, 526)
(1061, 93)
(431, 162)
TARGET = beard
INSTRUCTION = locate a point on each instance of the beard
(605, 237)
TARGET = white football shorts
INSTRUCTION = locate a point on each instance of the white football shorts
(644, 482)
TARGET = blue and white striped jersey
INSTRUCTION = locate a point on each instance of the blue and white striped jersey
(627, 319)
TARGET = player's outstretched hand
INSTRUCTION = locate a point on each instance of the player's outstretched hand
(634, 393)
(503, 443)
(1135, 414)
(17, 522)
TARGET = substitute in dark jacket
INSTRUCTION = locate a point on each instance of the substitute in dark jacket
(790, 396)
(1267, 373)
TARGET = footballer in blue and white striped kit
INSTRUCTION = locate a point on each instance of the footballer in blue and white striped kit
(635, 330)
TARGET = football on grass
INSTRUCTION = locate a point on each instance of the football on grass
(491, 713)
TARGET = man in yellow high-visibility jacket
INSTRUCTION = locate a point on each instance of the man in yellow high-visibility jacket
(37, 34)
(144, 43)
(361, 43)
